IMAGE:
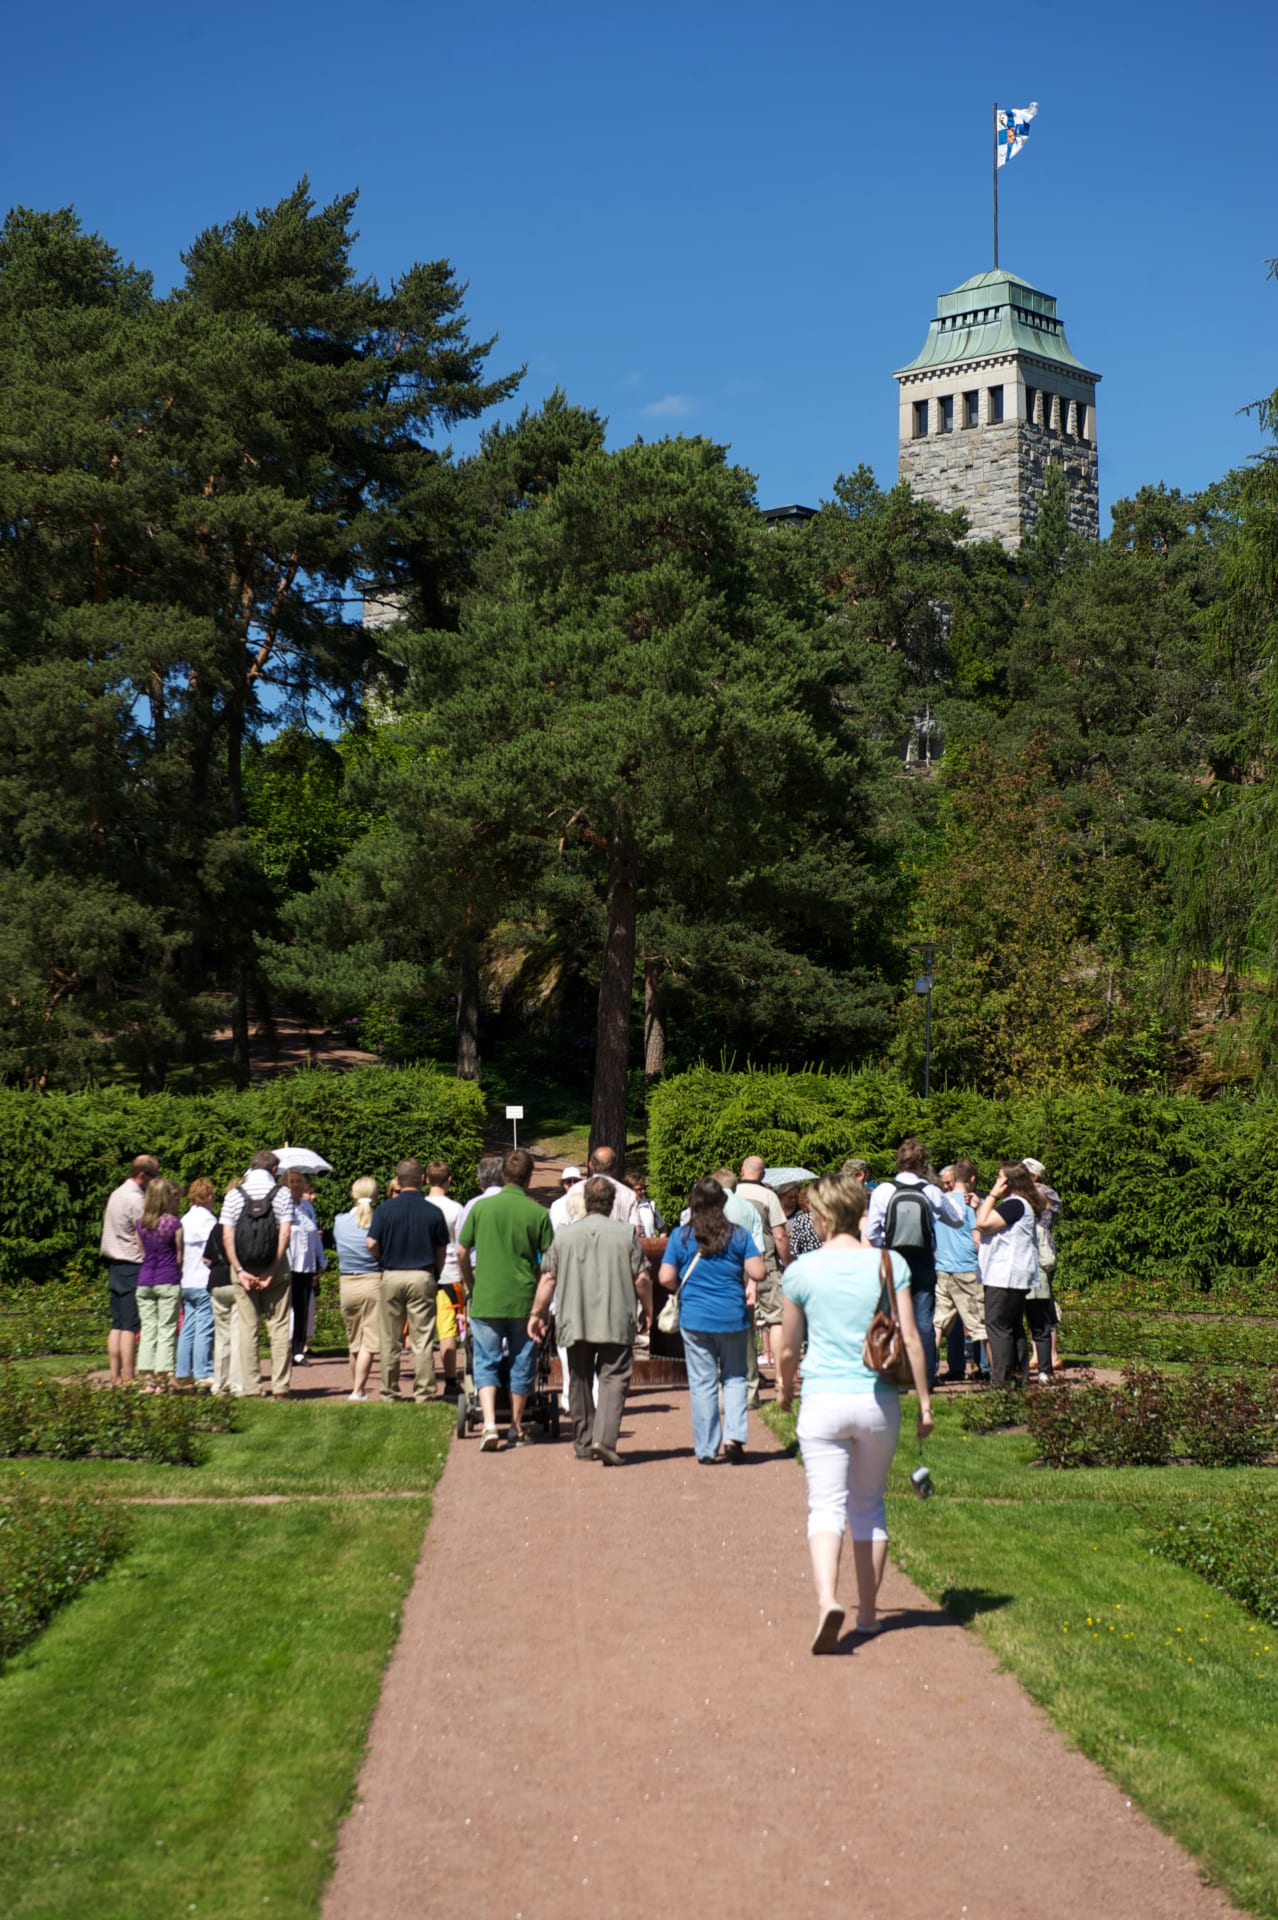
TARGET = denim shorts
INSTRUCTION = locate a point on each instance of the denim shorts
(487, 1337)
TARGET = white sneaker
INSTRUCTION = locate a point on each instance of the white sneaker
(357, 1396)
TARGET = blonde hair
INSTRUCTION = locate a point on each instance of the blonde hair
(363, 1193)
(840, 1203)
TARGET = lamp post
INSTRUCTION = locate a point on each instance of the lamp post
(923, 985)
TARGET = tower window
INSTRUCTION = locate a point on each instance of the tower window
(995, 413)
(1082, 421)
(920, 419)
(1031, 401)
(945, 414)
(972, 409)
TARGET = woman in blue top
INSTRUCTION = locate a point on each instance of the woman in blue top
(360, 1284)
(849, 1419)
(716, 1270)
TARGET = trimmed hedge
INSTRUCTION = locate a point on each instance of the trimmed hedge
(62, 1153)
(1208, 1421)
(1155, 1187)
(49, 1551)
(1131, 1336)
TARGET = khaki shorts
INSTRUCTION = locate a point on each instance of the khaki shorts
(959, 1296)
(770, 1300)
(360, 1296)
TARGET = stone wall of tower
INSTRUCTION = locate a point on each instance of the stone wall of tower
(995, 470)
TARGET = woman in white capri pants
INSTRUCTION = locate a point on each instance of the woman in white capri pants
(849, 1420)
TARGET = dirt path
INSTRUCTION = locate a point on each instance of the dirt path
(602, 1704)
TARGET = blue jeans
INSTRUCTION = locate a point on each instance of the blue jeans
(708, 1355)
(924, 1299)
(195, 1341)
(486, 1338)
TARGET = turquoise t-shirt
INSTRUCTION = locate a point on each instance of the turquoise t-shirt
(838, 1289)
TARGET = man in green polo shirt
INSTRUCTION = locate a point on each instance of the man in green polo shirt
(508, 1233)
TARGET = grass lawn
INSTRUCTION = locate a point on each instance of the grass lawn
(1167, 1684)
(184, 1738)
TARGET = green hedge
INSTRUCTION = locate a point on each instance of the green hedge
(1155, 1187)
(67, 1420)
(1133, 1336)
(62, 1153)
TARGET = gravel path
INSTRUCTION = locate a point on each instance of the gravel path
(602, 1704)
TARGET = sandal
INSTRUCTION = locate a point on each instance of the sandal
(828, 1630)
(489, 1440)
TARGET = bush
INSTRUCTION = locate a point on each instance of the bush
(1231, 1294)
(992, 1408)
(1224, 1423)
(1156, 1187)
(69, 1421)
(1121, 1336)
(1208, 1421)
(49, 1551)
(62, 1153)
(1234, 1547)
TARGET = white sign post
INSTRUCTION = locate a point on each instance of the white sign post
(515, 1115)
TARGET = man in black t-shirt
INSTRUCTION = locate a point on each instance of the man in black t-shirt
(409, 1235)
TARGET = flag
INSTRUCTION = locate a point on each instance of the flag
(1013, 129)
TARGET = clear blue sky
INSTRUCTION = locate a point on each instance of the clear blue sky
(711, 218)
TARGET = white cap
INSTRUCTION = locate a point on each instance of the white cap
(1035, 1167)
(570, 1174)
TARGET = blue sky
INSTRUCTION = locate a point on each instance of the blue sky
(729, 220)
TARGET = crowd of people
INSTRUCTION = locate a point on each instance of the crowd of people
(785, 1278)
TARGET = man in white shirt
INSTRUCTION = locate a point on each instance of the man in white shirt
(900, 1216)
(264, 1294)
(561, 1214)
(624, 1205)
(776, 1251)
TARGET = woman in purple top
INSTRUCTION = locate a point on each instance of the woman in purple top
(159, 1284)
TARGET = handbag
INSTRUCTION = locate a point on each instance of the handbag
(668, 1318)
(884, 1350)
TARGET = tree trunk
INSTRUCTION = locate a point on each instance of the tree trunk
(616, 984)
(654, 1021)
(241, 1055)
(469, 1064)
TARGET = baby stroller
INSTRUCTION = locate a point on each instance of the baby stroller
(542, 1407)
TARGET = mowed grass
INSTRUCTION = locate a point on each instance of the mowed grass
(1166, 1683)
(185, 1737)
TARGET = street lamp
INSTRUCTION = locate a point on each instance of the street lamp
(923, 985)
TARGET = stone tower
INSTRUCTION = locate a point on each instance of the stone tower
(993, 398)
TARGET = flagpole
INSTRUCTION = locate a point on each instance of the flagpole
(996, 186)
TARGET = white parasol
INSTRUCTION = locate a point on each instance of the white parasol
(306, 1162)
(786, 1176)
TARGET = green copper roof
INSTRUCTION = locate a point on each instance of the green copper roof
(994, 313)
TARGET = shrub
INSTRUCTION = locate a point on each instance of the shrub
(1127, 1426)
(1156, 1187)
(991, 1408)
(70, 1421)
(49, 1551)
(1202, 1342)
(1224, 1423)
(62, 1153)
(1234, 1547)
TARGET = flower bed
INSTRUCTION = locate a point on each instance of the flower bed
(74, 1422)
(1134, 1336)
(1205, 1421)
(1234, 1548)
(49, 1551)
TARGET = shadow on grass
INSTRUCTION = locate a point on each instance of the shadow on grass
(964, 1603)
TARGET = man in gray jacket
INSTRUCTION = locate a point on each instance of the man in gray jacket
(594, 1270)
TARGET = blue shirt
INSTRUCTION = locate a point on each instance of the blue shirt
(351, 1241)
(956, 1246)
(712, 1299)
(838, 1289)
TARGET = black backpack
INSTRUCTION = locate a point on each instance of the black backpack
(907, 1224)
(257, 1234)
